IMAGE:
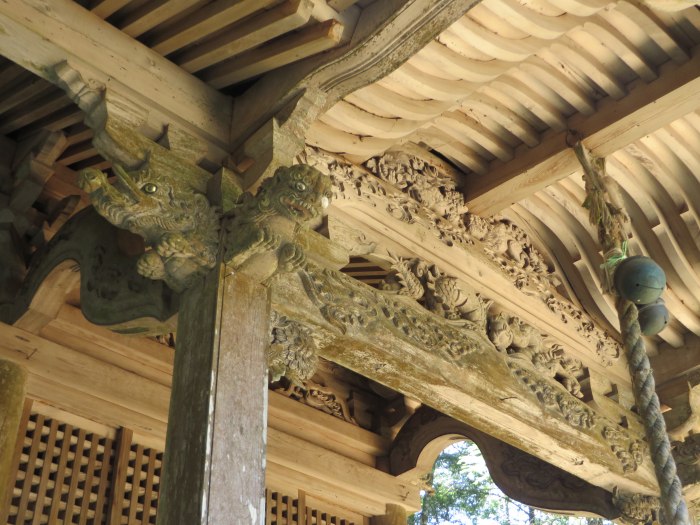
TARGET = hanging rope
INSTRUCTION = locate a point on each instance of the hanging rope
(607, 216)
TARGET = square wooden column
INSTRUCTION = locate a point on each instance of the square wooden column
(214, 464)
(13, 383)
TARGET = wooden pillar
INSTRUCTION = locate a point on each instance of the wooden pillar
(13, 381)
(395, 515)
(215, 448)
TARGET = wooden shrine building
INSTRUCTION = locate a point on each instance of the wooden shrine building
(262, 260)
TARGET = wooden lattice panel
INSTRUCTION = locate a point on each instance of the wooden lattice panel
(68, 475)
(62, 476)
(282, 509)
(140, 499)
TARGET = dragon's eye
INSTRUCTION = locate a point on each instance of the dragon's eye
(149, 187)
(300, 186)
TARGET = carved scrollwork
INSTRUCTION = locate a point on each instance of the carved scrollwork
(630, 452)
(292, 352)
(320, 397)
(437, 292)
(553, 396)
(636, 509)
(414, 192)
(350, 307)
(521, 341)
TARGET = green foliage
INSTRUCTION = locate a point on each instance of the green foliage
(464, 494)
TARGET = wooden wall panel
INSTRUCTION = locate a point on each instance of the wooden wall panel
(65, 474)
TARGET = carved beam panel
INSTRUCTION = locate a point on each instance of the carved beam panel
(426, 218)
(283, 104)
(455, 369)
(521, 476)
(613, 126)
(39, 35)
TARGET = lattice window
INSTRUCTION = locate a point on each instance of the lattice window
(67, 475)
(62, 476)
(140, 500)
(282, 509)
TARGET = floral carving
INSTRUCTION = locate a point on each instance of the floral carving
(351, 307)
(630, 452)
(636, 509)
(553, 396)
(413, 191)
(319, 397)
(522, 341)
(292, 351)
(439, 293)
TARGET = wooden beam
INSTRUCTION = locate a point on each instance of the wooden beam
(673, 362)
(294, 453)
(614, 125)
(282, 51)
(83, 373)
(481, 387)
(302, 421)
(386, 34)
(38, 36)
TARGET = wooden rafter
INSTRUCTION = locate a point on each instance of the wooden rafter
(39, 37)
(614, 125)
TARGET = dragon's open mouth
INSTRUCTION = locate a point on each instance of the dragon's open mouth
(297, 207)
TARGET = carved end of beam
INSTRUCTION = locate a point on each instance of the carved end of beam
(521, 476)
(112, 293)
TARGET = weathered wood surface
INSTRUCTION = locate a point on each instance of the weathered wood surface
(13, 379)
(388, 33)
(479, 389)
(38, 36)
(215, 451)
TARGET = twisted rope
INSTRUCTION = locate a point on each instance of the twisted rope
(609, 219)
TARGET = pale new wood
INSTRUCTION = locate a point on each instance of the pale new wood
(286, 17)
(285, 50)
(143, 351)
(153, 13)
(205, 21)
(75, 475)
(297, 419)
(288, 480)
(615, 124)
(293, 453)
(119, 473)
(49, 297)
(45, 471)
(60, 473)
(84, 373)
(95, 408)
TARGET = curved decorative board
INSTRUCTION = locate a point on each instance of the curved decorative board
(112, 293)
(521, 476)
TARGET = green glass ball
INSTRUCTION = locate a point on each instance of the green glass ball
(639, 279)
(653, 317)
